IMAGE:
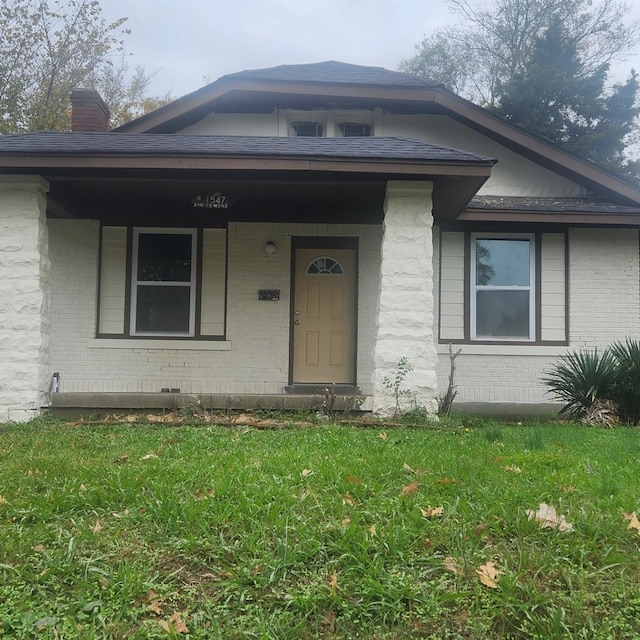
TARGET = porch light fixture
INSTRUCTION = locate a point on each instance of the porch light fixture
(270, 248)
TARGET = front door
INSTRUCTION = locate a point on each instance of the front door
(324, 316)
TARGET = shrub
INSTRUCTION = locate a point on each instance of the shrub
(594, 385)
(581, 378)
(627, 391)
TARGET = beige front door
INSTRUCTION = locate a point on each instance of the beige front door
(324, 316)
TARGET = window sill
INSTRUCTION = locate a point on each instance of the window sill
(498, 349)
(179, 345)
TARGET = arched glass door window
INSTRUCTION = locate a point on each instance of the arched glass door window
(323, 266)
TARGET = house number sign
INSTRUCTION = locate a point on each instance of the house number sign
(210, 201)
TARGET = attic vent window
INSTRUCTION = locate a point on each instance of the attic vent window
(308, 129)
(355, 129)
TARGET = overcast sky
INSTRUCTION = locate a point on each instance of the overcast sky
(188, 43)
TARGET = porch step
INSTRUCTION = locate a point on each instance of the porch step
(98, 403)
(320, 389)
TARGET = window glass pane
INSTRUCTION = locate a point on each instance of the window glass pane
(309, 129)
(162, 309)
(502, 314)
(164, 257)
(354, 129)
(502, 263)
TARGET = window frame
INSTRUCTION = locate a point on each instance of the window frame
(135, 283)
(532, 287)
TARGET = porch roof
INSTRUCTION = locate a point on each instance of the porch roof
(66, 159)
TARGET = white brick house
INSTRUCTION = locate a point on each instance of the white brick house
(283, 229)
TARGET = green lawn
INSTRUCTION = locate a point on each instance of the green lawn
(155, 531)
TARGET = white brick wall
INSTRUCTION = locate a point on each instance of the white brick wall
(258, 331)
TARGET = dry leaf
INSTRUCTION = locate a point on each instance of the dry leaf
(39, 547)
(3, 500)
(407, 468)
(410, 489)
(120, 515)
(513, 469)
(347, 499)
(634, 523)
(383, 436)
(431, 512)
(489, 575)
(547, 516)
(149, 456)
(345, 521)
(306, 472)
(353, 479)
(203, 494)
(82, 487)
(428, 543)
(97, 527)
(122, 459)
(450, 564)
(155, 606)
(372, 530)
(447, 481)
(329, 619)
(333, 583)
(176, 623)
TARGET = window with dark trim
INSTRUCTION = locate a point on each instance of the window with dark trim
(503, 287)
(308, 129)
(162, 283)
(354, 129)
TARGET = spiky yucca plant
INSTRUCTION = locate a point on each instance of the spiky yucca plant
(581, 378)
(627, 387)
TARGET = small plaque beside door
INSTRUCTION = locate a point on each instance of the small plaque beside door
(269, 294)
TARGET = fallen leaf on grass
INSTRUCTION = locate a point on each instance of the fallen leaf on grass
(175, 623)
(306, 472)
(345, 521)
(446, 480)
(431, 512)
(150, 456)
(489, 575)
(348, 500)
(329, 619)
(3, 500)
(155, 606)
(121, 459)
(373, 530)
(513, 469)
(407, 468)
(120, 515)
(97, 527)
(410, 489)
(634, 523)
(383, 436)
(333, 583)
(450, 564)
(203, 494)
(353, 479)
(547, 516)
(39, 548)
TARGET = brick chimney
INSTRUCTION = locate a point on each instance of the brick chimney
(88, 111)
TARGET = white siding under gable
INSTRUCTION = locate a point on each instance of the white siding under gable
(553, 300)
(113, 269)
(451, 285)
(213, 282)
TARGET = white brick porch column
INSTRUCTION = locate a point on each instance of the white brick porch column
(405, 305)
(24, 297)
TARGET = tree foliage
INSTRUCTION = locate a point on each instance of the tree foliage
(544, 64)
(50, 47)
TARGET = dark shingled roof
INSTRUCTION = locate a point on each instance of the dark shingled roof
(548, 205)
(374, 148)
(333, 72)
